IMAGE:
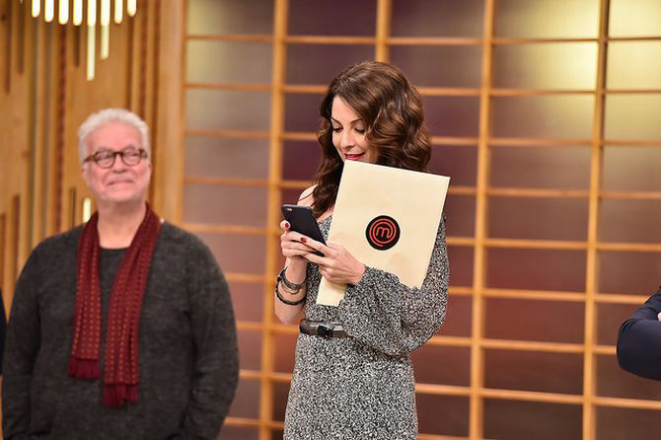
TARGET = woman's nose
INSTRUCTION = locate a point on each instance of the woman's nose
(346, 140)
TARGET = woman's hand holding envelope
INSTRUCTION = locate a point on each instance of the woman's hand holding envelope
(337, 265)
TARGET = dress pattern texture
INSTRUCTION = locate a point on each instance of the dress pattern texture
(362, 387)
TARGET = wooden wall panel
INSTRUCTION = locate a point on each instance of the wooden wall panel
(14, 144)
(167, 181)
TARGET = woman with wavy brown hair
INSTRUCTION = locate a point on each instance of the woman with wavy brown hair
(353, 377)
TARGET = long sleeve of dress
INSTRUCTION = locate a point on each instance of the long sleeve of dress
(639, 340)
(216, 363)
(391, 317)
(22, 346)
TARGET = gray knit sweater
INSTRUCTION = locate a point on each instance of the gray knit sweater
(188, 350)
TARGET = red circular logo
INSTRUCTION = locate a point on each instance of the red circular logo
(382, 232)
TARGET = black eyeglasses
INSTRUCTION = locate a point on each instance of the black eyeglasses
(131, 156)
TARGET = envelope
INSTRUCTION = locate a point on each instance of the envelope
(388, 219)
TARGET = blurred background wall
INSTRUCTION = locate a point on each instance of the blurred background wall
(544, 113)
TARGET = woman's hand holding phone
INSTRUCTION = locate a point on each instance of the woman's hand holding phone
(336, 263)
(294, 250)
(291, 244)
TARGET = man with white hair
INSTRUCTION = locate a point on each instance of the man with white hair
(121, 328)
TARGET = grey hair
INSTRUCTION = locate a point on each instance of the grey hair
(105, 117)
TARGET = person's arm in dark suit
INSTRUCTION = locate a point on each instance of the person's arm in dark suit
(639, 340)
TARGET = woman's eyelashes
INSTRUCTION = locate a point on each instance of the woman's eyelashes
(357, 130)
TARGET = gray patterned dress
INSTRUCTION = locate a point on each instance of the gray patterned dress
(362, 387)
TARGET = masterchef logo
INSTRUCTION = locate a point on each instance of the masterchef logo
(382, 232)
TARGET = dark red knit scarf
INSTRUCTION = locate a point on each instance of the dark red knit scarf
(121, 375)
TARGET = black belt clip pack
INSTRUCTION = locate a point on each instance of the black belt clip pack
(322, 329)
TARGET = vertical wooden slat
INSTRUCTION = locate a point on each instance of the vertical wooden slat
(54, 214)
(77, 45)
(136, 64)
(33, 92)
(149, 76)
(476, 417)
(154, 89)
(36, 101)
(72, 207)
(8, 44)
(592, 274)
(168, 132)
(41, 127)
(144, 11)
(13, 243)
(20, 40)
(383, 16)
(130, 61)
(280, 19)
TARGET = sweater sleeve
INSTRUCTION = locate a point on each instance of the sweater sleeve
(391, 317)
(216, 355)
(21, 349)
(639, 340)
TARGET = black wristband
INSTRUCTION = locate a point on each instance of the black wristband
(289, 303)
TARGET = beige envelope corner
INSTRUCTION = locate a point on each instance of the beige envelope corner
(414, 199)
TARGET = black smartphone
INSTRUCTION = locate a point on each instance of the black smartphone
(302, 221)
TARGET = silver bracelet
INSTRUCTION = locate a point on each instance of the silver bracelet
(291, 287)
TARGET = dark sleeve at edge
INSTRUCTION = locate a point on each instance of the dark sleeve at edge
(639, 340)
